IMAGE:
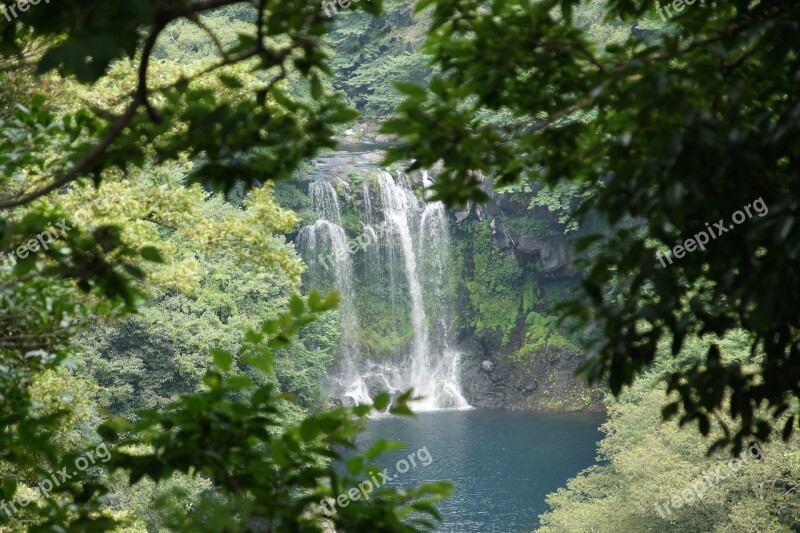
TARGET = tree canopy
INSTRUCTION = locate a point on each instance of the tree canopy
(675, 129)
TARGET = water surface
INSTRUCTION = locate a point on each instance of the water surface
(503, 463)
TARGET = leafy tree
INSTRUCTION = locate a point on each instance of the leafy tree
(674, 127)
(367, 53)
(147, 133)
(646, 465)
(268, 475)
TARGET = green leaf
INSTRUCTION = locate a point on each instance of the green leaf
(309, 429)
(296, 306)
(253, 337)
(261, 363)
(152, 254)
(362, 409)
(212, 379)
(354, 465)
(331, 302)
(381, 401)
(222, 359)
(342, 115)
(239, 382)
(402, 410)
(410, 89)
(314, 301)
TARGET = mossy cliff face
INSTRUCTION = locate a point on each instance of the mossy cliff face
(509, 266)
(514, 263)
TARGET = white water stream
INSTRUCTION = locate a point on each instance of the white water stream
(420, 231)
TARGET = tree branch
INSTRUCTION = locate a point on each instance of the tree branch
(140, 98)
(111, 135)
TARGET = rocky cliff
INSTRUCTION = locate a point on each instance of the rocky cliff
(512, 264)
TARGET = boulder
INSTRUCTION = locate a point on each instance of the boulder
(499, 234)
(555, 253)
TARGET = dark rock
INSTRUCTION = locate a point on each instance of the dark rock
(529, 245)
(547, 382)
(501, 238)
(375, 384)
(493, 209)
(555, 253)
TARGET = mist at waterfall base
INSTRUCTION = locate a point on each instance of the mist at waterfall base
(410, 252)
(502, 463)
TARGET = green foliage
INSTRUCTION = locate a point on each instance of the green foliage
(144, 119)
(530, 294)
(562, 201)
(647, 463)
(384, 331)
(351, 221)
(368, 54)
(231, 111)
(543, 337)
(264, 469)
(493, 286)
(638, 119)
(290, 196)
(357, 178)
(149, 359)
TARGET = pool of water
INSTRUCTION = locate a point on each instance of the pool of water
(502, 463)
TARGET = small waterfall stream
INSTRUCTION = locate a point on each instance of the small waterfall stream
(413, 237)
(324, 244)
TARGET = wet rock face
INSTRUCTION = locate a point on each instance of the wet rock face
(489, 379)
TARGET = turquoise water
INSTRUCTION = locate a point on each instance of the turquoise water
(502, 463)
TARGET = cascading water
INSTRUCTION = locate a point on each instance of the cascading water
(324, 245)
(398, 203)
(414, 238)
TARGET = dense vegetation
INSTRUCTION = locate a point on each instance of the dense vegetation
(158, 293)
(638, 120)
(152, 300)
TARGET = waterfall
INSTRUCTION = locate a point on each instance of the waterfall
(399, 205)
(324, 245)
(434, 251)
(325, 202)
(414, 237)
